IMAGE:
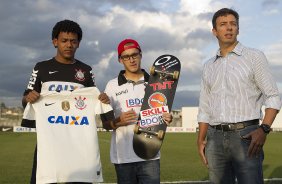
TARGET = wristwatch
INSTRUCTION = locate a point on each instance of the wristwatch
(265, 128)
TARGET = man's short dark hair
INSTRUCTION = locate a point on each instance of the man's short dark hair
(67, 26)
(224, 12)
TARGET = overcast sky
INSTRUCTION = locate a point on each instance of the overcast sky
(178, 27)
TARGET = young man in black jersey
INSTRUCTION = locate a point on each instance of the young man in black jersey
(62, 72)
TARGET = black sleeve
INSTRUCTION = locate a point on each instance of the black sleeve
(106, 119)
(33, 84)
(34, 81)
(28, 123)
(91, 78)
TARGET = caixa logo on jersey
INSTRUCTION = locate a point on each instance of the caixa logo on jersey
(68, 120)
(135, 102)
(151, 117)
(166, 61)
(157, 100)
(61, 87)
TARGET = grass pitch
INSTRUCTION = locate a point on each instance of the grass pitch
(179, 157)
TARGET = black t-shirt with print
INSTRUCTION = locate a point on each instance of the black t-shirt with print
(51, 75)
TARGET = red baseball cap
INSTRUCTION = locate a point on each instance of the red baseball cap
(127, 44)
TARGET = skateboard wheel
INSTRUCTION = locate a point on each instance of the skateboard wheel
(175, 75)
(152, 70)
(160, 134)
(136, 129)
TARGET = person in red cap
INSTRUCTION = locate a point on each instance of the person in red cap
(126, 94)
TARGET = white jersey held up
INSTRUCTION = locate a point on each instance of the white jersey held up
(67, 141)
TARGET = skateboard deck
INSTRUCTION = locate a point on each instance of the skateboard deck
(150, 130)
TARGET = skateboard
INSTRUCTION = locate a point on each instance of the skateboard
(149, 132)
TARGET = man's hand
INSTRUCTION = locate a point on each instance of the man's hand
(167, 117)
(201, 151)
(201, 141)
(32, 96)
(127, 118)
(103, 97)
(257, 138)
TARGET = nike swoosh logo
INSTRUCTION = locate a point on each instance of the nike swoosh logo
(47, 104)
(51, 72)
(6, 129)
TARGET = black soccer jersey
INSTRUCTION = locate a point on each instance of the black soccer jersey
(52, 75)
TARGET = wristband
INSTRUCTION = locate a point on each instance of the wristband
(265, 128)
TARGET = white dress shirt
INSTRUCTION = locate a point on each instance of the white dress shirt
(234, 87)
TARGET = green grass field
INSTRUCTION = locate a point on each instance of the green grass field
(179, 160)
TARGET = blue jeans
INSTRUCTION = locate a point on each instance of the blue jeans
(146, 172)
(226, 152)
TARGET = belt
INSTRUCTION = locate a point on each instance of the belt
(235, 126)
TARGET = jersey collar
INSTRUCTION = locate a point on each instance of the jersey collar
(122, 80)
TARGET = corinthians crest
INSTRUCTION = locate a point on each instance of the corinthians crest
(65, 105)
(80, 104)
(79, 75)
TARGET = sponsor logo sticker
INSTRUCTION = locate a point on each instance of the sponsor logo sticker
(152, 117)
(160, 86)
(166, 62)
(157, 100)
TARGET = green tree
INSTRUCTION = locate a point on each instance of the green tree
(2, 105)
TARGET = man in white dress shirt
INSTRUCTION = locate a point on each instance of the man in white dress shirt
(236, 82)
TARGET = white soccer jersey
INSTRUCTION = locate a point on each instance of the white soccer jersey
(67, 141)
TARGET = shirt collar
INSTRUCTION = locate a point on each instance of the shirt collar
(237, 50)
(122, 80)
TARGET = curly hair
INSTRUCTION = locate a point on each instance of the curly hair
(224, 12)
(66, 26)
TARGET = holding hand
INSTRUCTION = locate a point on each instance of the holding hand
(125, 118)
(128, 117)
(103, 97)
(167, 117)
(32, 96)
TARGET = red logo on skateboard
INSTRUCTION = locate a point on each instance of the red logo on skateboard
(152, 117)
(157, 100)
(160, 86)
(155, 111)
